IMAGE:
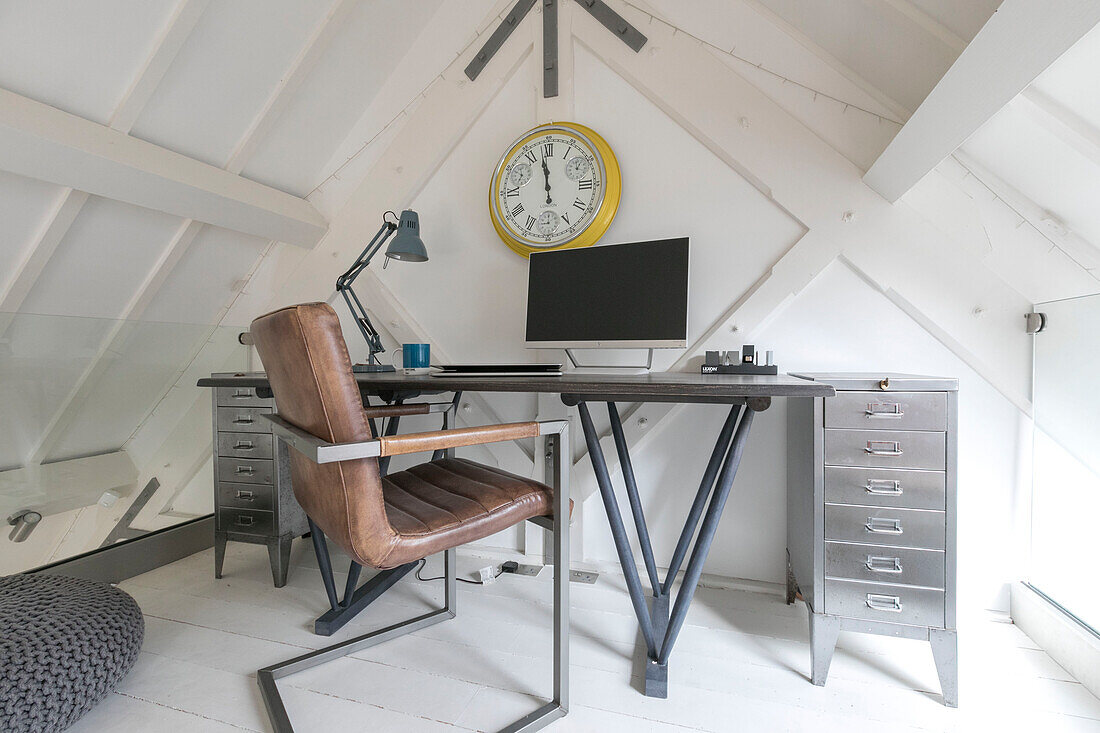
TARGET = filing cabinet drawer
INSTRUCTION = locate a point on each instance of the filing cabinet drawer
(238, 396)
(887, 411)
(885, 526)
(245, 445)
(885, 449)
(246, 521)
(243, 419)
(246, 496)
(246, 471)
(897, 604)
(886, 487)
(898, 565)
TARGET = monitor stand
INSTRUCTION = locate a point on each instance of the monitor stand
(579, 368)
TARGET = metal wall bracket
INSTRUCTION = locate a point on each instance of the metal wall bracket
(598, 9)
(615, 23)
(500, 35)
(1035, 322)
(549, 48)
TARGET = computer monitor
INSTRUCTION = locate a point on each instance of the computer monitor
(616, 296)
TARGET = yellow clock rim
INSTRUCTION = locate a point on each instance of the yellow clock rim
(608, 207)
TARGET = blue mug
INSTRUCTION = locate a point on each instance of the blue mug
(413, 356)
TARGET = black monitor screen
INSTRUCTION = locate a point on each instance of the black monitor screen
(633, 293)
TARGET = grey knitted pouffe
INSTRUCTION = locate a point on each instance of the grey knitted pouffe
(64, 645)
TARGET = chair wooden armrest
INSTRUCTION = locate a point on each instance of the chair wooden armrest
(322, 451)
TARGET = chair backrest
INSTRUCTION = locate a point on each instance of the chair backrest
(307, 363)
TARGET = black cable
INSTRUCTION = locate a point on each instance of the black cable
(424, 561)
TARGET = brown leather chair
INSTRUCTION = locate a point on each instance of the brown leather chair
(391, 522)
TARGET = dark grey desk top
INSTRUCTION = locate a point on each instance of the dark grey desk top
(574, 387)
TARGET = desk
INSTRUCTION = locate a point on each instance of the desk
(660, 617)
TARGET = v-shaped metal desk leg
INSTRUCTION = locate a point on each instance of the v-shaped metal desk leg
(659, 627)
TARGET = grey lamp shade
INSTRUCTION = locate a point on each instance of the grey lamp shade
(406, 244)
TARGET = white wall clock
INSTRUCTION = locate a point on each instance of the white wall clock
(557, 186)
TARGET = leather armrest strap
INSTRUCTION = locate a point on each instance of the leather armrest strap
(457, 438)
(413, 408)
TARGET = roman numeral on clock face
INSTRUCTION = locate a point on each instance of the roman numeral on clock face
(512, 192)
(585, 185)
(565, 217)
(579, 204)
(530, 222)
(517, 210)
(530, 155)
(548, 150)
(568, 150)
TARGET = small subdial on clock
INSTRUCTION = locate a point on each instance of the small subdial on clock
(520, 174)
(576, 168)
(547, 223)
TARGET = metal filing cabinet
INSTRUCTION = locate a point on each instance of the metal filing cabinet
(253, 500)
(871, 519)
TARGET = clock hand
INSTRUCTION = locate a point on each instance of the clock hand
(546, 173)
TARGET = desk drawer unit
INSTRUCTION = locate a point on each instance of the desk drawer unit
(871, 520)
(886, 487)
(885, 449)
(246, 521)
(877, 564)
(246, 470)
(893, 604)
(887, 411)
(253, 500)
(245, 445)
(886, 526)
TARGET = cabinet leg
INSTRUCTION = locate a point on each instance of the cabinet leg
(792, 587)
(278, 551)
(219, 553)
(945, 651)
(824, 631)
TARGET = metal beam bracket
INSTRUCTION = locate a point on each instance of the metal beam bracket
(598, 9)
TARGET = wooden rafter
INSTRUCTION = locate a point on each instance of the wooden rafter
(1021, 40)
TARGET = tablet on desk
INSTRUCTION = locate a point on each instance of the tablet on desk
(498, 370)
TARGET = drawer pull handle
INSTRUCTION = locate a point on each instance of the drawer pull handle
(883, 487)
(245, 521)
(242, 395)
(884, 410)
(248, 496)
(880, 602)
(883, 448)
(877, 564)
(246, 470)
(243, 421)
(244, 445)
(877, 525)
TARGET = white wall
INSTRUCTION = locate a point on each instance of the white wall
(470, 300)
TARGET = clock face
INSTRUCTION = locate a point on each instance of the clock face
(550, 188)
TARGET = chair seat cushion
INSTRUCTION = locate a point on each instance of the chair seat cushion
(446, 503)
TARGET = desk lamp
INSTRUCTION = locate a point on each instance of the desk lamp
(407, 247)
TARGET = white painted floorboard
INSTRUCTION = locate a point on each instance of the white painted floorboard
(741, 663)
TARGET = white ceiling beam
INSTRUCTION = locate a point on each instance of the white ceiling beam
(176, 32)
(1062, 122)
(1046, 223)
(315, 47)
(45, 143)
(56, 225)
(186, 233)
(1021, 40)
(927, 23)
(899, 110)
(61, 216)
